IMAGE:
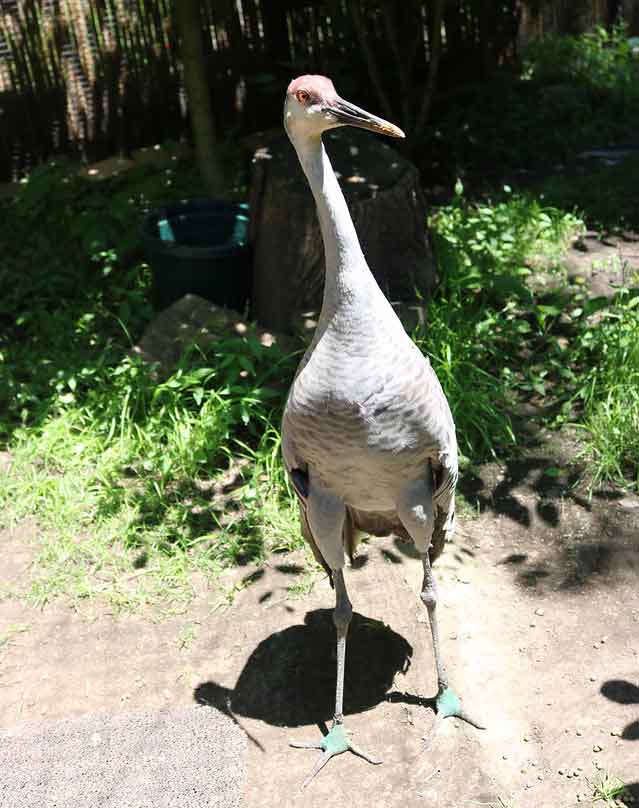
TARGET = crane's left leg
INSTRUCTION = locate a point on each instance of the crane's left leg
(416, 513)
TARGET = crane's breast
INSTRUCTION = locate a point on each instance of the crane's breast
(366, 426)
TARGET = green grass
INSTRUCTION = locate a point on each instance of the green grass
(610, 349)
(124, 479)
(135, 482)
(498, 338)
(486, 323)
(608, 790)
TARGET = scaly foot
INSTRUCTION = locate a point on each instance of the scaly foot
(332, 744)
(448, 704)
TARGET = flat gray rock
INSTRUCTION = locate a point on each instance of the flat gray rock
(192, 320)
(187, 758)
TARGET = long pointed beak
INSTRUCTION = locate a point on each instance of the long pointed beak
(350, 115)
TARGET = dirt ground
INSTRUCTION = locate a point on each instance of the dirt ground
(540, 625)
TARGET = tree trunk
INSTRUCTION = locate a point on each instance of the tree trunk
(387, 206)
(189, 25)
(434, 55)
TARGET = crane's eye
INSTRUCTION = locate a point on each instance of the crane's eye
(302, 96)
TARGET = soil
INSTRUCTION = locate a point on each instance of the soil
(602, 265)
(539, 619)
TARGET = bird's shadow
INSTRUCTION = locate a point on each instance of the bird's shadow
(289, 678)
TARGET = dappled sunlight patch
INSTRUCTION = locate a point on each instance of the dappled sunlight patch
(187, 470)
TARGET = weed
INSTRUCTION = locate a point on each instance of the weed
(303, 586)
(608, 789)
(610, 389)
(485, 323)
(499, 338)
(187, 635)
(133, 465)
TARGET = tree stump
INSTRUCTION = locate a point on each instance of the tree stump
(385, 200)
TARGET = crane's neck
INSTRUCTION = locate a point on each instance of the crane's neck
(348, 278)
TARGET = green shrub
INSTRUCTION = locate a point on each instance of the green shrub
(608, 350)
(599, 63)
(568, 94)
(487, 329)
(98, 444)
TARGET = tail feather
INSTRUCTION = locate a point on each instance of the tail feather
(444, 485)
(351, 534)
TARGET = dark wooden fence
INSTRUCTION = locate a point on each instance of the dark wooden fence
(92, 78)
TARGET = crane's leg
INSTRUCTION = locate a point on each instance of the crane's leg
(326, 515)
(415, 510)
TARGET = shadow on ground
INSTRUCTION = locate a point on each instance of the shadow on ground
(623, 692)
(572, 564)
(289, 679)
(558, 537)
(539, 478)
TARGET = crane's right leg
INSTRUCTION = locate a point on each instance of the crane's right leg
(326, 514)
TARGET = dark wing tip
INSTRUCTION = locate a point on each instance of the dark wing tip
(300, 482)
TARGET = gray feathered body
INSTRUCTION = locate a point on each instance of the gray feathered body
(367, 413)
(366, 416)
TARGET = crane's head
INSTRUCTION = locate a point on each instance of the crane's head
(312, 106)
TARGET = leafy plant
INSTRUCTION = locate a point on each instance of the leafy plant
(567, 94)
(608, 349)
(485, 249)
(486, 321)
(608, 789)
(499, 338)
(600, 62)
(98, 444)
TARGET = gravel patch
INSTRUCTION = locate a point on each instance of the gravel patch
(191, 758)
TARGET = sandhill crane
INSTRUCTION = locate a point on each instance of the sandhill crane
(368, 438)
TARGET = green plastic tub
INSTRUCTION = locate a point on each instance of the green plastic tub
(199, 246)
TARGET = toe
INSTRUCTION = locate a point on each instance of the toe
(448, 704)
